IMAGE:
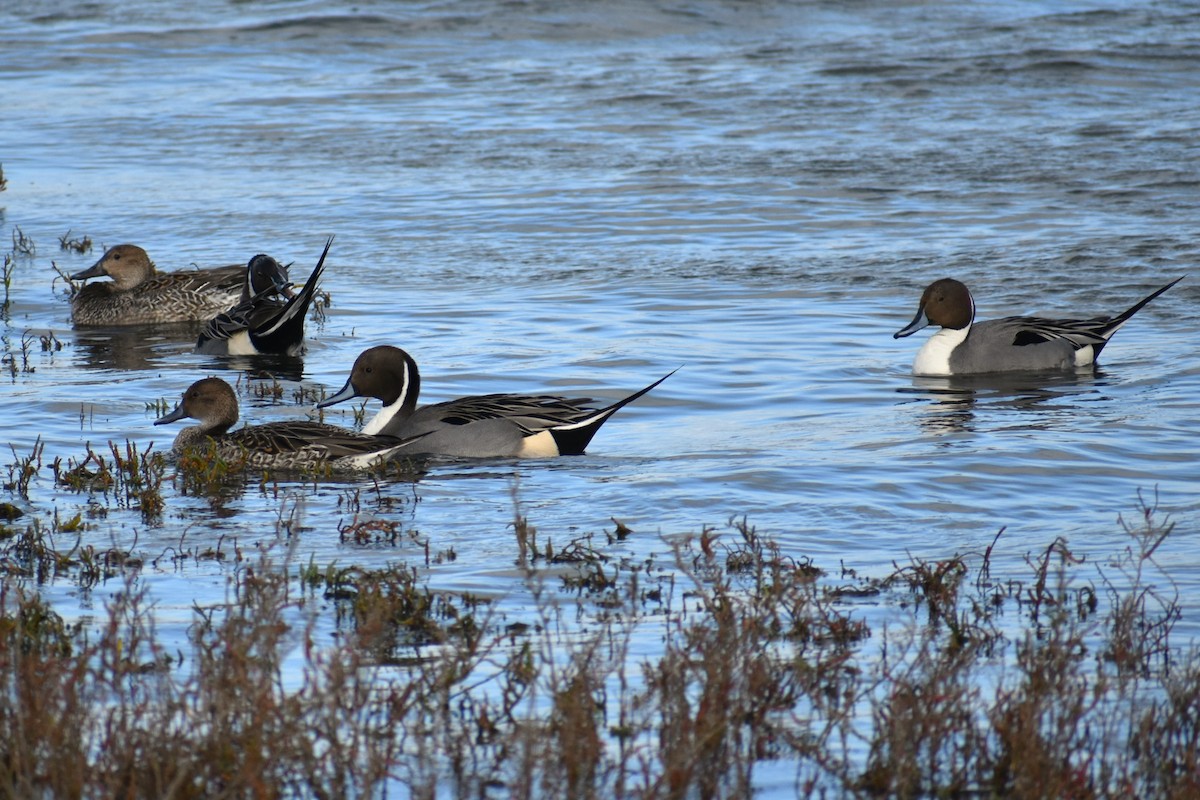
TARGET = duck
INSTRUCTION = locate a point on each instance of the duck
(482, 426)
(290, 444)
(269, 318)
(267, 279)
(1010, 344)
(139, 294)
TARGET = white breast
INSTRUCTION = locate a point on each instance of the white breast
(934, 356)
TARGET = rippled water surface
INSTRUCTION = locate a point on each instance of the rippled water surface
(581, 197)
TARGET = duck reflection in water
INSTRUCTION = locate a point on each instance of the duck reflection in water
(147, 347)
(1042, 399)
(134, 348)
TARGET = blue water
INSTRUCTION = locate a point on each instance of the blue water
(581, 197)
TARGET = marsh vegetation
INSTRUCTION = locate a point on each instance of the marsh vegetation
(329, 680)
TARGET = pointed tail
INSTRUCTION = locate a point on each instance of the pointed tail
(573, 438)
(1113, 325)
(285, 331)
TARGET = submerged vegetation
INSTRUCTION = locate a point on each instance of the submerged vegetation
(764, 669)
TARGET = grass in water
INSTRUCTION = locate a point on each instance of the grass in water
(1050, 686)
(76, 244)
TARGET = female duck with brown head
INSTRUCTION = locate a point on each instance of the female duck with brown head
(292, 444)
(138, 294)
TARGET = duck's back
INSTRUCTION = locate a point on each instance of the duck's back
(486, 426)
(291, 444)
(229, 333)
(998, 346)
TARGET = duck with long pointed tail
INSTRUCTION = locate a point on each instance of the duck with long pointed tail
(261, 323)
(1010, 344)
(483, 426)
(291, 444)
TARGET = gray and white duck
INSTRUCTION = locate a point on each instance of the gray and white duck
(963, 346)
(482, 426)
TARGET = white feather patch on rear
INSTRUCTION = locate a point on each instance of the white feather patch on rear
(240, 345)
(539, 445)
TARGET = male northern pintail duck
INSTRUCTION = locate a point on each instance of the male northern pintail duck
(261, 322)
(294, 444)
(138, 294)
(484, 426)
(964, 347)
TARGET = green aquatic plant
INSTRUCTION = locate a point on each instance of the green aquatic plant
(309, 575)
(141, 477)
(133, 477)
(32, 552)
(31, 629)
(392, 612)
(205, 469)
(358, 412)
(89, 474)
(72, 287)
(95, 566)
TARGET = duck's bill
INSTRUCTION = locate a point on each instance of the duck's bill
(174, 416)
(94, 271)
(347, 392)
(284, 286)
(919, 321)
